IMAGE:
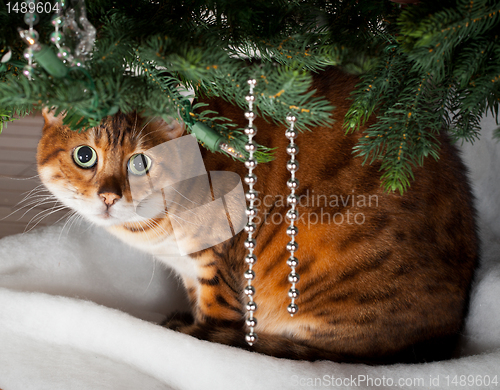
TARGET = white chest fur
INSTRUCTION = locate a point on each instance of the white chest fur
(164, 249)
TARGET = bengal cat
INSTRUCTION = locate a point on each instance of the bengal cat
(384, 277)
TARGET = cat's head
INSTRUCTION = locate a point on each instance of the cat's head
(90, 171)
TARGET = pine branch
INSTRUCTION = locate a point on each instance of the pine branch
(424, 68)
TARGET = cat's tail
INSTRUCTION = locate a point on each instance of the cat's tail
(233, 334)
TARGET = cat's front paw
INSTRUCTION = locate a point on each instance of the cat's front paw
(178, 320)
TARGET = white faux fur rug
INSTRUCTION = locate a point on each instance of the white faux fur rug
(77, 311)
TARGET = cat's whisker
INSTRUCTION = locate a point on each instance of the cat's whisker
(139, 141)
(55, 203)
(36, 203)
(27, 208)
(35, 195)
(146, 125)
(36, 190)
(140, 226)
(34, 207)
(41, 216)
(19, 178)
(156, 228)
(185, 197)
(179, 204)
(151, 224)
(74, 218)
(177, 218)
(34, 199)
(78, 220)
(152, 277)
(46, 212)
(70, 215)
(164, 213)
(154, 225)
(89, 226)
(179, 223)
(143, 137)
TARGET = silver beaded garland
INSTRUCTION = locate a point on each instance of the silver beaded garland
(292, 214)
(57, 37)
(30, 36)
(251, 196)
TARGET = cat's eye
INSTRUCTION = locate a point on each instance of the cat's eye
(139, 164)
(85, 156)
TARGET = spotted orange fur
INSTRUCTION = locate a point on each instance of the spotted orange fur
(383, 277)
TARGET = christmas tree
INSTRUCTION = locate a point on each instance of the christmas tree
(423, 66)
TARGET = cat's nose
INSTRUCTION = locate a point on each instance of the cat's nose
(109, 198)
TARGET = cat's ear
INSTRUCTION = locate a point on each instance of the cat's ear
(50, 118)
(172, 128)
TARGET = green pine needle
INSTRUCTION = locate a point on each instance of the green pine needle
(425, 68)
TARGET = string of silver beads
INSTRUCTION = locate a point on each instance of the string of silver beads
(292, 214)
(251, 196)
(30, 36)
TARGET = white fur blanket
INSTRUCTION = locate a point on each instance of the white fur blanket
(77, 311)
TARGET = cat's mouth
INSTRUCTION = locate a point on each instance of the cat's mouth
(111, 217)
(106, 218)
